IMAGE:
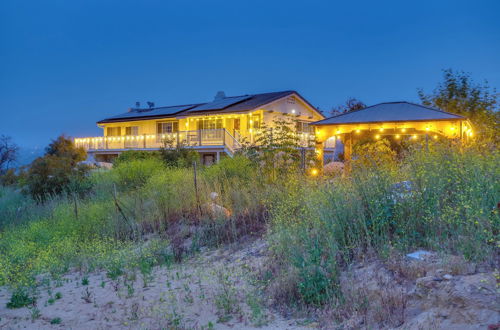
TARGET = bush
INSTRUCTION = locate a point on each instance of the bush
(179, 156)
(131, 155)
(21, 298)
(135, 173)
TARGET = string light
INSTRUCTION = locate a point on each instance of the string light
(377, 136)
(397, 136)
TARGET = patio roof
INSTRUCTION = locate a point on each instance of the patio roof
(390, 112)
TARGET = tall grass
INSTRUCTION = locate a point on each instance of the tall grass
(319, 227)
(315, 226)
(125, 205)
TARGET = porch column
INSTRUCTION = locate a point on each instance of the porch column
(347, 146)
(217, 157)
(320, 153)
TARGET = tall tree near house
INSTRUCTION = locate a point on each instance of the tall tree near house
(350, 105)
(459, 94)
(8, 153)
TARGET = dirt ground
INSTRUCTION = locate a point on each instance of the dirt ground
(210, 291)
(216, 290)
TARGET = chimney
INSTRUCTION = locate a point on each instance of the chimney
(151, 105)
(219, 96)
(137, 104)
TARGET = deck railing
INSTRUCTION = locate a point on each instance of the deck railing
(198, 138)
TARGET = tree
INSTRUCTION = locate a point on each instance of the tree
(58, 170)
(350, 105)
(278, 150)
(459, 94)
(8, 153)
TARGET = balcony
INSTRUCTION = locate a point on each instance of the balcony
(198, 139)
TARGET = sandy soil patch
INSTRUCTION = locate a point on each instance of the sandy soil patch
(210, 291)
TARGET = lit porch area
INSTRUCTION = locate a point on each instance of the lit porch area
(397, 121)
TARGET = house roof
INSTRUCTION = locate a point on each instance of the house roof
(390, 112)
(229, 104)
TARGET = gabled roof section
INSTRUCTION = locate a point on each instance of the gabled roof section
(390, 112)
(229, 104)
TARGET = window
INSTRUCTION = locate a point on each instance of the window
(254, 121)
(303, 127)
(167, 127)
(210, 124)
(132, 130)
(113, 131)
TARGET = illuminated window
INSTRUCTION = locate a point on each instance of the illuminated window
(167, 127)
(132, 130)
(210, 124)
(113, 131)
(303, 127)
(254, 122)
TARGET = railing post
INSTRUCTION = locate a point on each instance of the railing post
(224, 137)
(199, 137)
(177, 146)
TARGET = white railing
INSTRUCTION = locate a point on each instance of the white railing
(198, 138)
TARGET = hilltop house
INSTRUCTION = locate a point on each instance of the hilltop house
(213, 129)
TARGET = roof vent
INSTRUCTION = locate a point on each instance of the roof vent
(219, 96)
(137, 104)
(151, 105)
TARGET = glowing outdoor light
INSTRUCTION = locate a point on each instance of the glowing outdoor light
(414, 136)
(397, 136)
(358, 131)
(377, 137)
(403, 130)
(381, 129)
(435, 137)
(314, 172)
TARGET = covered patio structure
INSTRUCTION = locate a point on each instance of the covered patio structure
(392, 120)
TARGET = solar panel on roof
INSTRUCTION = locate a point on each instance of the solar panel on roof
(153, 112)
(221, 104)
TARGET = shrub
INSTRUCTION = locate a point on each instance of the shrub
(131, 155)
(178, 155)
(135, 173)
(21, 298)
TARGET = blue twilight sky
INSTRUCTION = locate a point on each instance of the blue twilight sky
(66, 64)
